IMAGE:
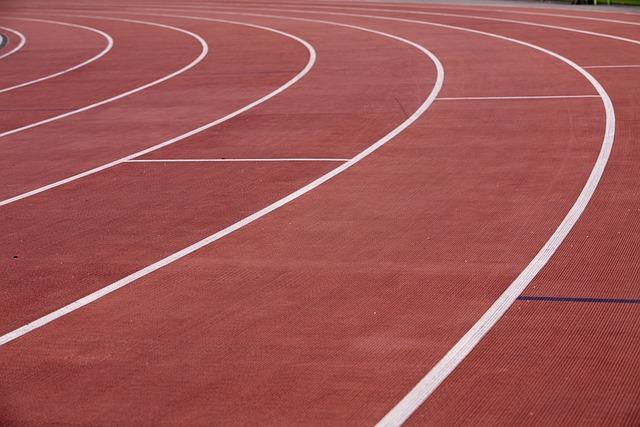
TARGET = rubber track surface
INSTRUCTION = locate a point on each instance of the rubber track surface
(331, 308)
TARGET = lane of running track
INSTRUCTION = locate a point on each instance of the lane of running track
(143, 205)
(589, 12)
(570, 353)
(625, 27)
(258, 314)
(576, 356)
(55, 151)
(561, 11)
(565, 12)
(12, 42)
(597, 335)
(52, 48)
(133, 62)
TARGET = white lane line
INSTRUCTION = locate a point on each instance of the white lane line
(198, 59)
(292, 81)
(554, 15)
(20, 44)
(262, 212)
(492, 7)
(104, 51)
(611, 66)
(430, 382)
(368, 6)
(284, 159)
(455, 15)
(501, 98)
(489, 6)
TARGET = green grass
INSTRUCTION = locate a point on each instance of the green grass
(626, 2)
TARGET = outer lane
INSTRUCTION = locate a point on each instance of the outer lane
(555, 362)
(561, 362)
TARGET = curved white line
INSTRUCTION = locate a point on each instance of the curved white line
(486, 18)
(368, 6)
(421, 12)
(255, 216)
(104, 51)
(201, 56)
(430, 382)
(587, 18)
(22, 38)
(240, 160)
(518, 12)
(302, 73)
(496, 4)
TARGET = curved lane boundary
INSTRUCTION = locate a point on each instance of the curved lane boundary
(198, 59)
(259, 214)
(301, 74)
(103, 52)
(20, 44)
(447, 364)
(430, 382)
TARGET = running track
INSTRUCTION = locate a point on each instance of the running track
(318, 213)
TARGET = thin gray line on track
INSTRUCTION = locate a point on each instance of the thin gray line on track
(223, 160)
(612, 66)
(506, 98)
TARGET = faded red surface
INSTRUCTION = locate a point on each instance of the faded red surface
(42, 49)
(139, 55)
(330, 309)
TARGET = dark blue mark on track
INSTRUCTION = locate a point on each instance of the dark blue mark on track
(576, 299)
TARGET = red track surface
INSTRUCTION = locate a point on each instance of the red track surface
(43, 50)
(331, 308)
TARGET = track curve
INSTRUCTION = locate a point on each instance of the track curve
(99, 55)
(21, 42)
(329, 309)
